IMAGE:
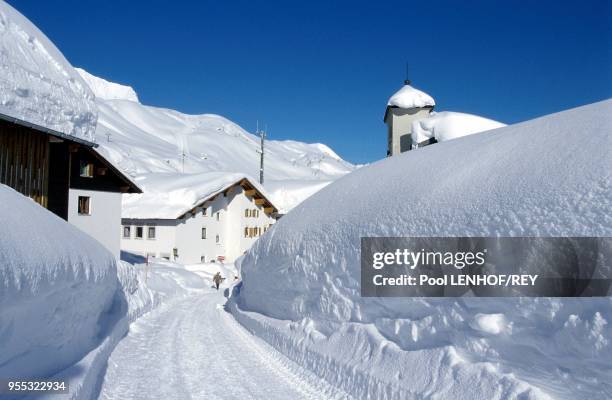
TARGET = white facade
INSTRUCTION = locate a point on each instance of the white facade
(399, 124)
(102, 217)
(221, 228)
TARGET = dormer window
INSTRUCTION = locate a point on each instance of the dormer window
(86, 169)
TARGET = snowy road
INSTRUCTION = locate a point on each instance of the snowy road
(193, 349)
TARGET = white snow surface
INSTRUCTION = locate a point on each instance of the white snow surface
(301, 288)
(170, 195)
(37, 84)
(448, 125)
(410, 97)
(57, 290)
(191, 348)
(106, 90)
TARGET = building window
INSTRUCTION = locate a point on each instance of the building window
(127, 232)
(151, 232)
(218, 215)
(246, 232)
(247, 213)
(204, 211)
(139, 232)
(84, 205)
(86, 169)
(203, 259)
(203, 233)
(217, 239)
(175, 253)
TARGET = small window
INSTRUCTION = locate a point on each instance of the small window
(218, 216)
(203, 233)
(217, 239)
(127, 232)
(203, 259)
(204, 211)
(139, 232)
(151, 232)
(246, 232)
(86, 169)
(175, 253)
(247, 212)
(84, 205)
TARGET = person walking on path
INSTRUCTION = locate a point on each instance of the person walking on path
(217, 279)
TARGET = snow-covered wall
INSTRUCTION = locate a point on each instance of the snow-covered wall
(57, 290)
(37, 84)
(301, 281)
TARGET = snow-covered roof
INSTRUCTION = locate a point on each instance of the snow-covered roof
(106, 90)
(449, 125)
(37, 84)
(171, 195)
(409, 97)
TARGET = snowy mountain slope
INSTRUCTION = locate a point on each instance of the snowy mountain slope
(521, 180)
(141, 139)
(37, 84)
(106, 90)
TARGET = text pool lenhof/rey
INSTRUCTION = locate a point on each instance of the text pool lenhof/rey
(510, 280)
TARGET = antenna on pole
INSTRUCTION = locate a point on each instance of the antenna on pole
(407, 80)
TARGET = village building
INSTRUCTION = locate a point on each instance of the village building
(403, 108)
(66, 175)
(217, 219)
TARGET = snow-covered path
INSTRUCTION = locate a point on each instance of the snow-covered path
(193, 349)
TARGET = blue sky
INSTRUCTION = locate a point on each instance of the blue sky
(323, 71)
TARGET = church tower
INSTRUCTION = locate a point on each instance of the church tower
(405, 106)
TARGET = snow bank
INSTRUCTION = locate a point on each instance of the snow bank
(170, 195)
(37, 84)
(409, 97)
(106, 90)
(521, 180)
(57, 290)
(449, 125)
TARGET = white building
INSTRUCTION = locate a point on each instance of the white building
(94, 198)
(403, 108)
(195, 218)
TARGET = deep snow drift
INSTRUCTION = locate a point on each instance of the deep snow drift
(522, 180)
(37, 84)
(57, 290)
(448, 125)
(142, 139)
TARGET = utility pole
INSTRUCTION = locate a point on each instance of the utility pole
(262, 136)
